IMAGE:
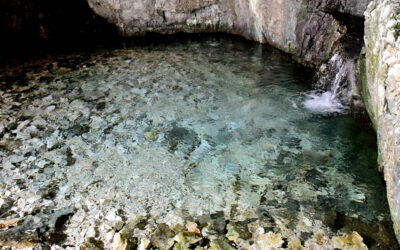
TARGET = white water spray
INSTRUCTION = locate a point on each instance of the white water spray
(334, 99)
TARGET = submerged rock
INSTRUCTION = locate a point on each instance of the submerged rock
(37, 228)
(269, 240)
(237, 231)
(144, 244)
(163, 237)
(124, 240)
(185, 239)
(349, 242)
(93, 244)
(220, 244)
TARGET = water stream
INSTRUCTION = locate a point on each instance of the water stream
(334, 86)
(180, 130)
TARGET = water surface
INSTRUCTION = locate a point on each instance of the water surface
(182, 129)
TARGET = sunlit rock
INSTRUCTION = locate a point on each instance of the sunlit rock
(192, 227)
(349, 242)
(268, 240)
(163, 237)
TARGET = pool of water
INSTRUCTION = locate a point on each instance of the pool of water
(179, 130)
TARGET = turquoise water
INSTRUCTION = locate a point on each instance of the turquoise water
(181, 129)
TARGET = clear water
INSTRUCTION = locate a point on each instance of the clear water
(183, 129)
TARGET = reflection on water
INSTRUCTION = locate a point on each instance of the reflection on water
(181, 130)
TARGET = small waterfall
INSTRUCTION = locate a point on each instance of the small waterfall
(336, 78)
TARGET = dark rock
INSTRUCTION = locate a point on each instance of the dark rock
(42, 227)
(204, 219)
(240, 229)
(93, 244)
(49, 192)
(218, 223)
(221, 243)
(182, 139)
(8, 203)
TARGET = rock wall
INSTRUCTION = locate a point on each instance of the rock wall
(380, 74)
(306, 28)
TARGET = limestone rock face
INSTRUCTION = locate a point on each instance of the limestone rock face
(381, 92)
(302, 27)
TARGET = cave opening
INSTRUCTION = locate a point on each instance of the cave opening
(40, 26)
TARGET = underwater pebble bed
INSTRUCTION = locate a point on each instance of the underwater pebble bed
(211, 131)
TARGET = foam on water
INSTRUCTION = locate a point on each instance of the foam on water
(336, 80)
(325, 102)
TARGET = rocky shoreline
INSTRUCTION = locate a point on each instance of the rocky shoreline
(42, 231)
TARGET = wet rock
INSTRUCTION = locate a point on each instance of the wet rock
(138, 221)
(319, 240)
(163, 237)
(144, 244)
(124, 241)
(151, 135)
(220, 244)
(204, 220)
(348, 241)
(185, 239)
(6, 205)
(92, 244)
(182, 139)
(49, 191)
(192, 227)
(37, 228)
(218, 223)
(9, 223)
(237, 231)
(374, 235)
(294, 244)
(114, 220)
(269, 240)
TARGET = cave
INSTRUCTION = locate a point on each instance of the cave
(206, 124)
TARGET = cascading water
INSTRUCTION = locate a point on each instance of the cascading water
(337, 78)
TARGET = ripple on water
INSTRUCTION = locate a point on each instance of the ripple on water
(192, 128)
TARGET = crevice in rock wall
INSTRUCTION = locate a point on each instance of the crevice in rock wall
(352, 41)
(338, 76)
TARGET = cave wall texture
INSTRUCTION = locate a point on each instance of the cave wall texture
(380, 77)
(306, 28)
